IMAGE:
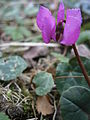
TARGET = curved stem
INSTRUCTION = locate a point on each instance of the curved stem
(81, 65)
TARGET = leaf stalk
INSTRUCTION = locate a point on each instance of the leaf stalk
(81, 64)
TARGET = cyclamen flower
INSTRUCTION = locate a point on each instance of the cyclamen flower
(66, 31)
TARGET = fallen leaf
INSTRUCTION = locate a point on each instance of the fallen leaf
(43, 105)
(34, 52)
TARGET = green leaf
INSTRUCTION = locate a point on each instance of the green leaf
(11, 12)
(31, 10)
(70, 74)
(43, 82)
(60, 57)
(25, 31)
(14, 32)
(3, 116)
(17, 32)
(74, 63)
(75, 103)
(11, 67)
(84, 36)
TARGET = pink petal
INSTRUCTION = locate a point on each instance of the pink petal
(43, 12)
(72, 27)
(53, 29)
(60, 14)
(48, 30)
(76, 13)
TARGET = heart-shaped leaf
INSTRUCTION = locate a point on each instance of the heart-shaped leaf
(43, 82)
(17, 33)
(73, 62)
(33, 9)
(84, 36)
(11, 67)
(75, 103)
(68, 75)
(60, 57)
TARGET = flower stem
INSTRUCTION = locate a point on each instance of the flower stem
(81, 65)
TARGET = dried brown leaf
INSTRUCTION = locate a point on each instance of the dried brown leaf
(34, 52)
(43, 105)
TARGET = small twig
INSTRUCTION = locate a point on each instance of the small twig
(25, 78)
(8, 86)
(17, 99)
(30, 44)
(14, 50)
(19, 89)
(55, 110)
(26, 98)
(51, 64)
(5, 97)
(33, 119)
(34, 110)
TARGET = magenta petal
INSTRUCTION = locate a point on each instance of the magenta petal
(76, 13)
(48, 31)
(53, 29)
(60, 14)
(43, 12)
(72, 27)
